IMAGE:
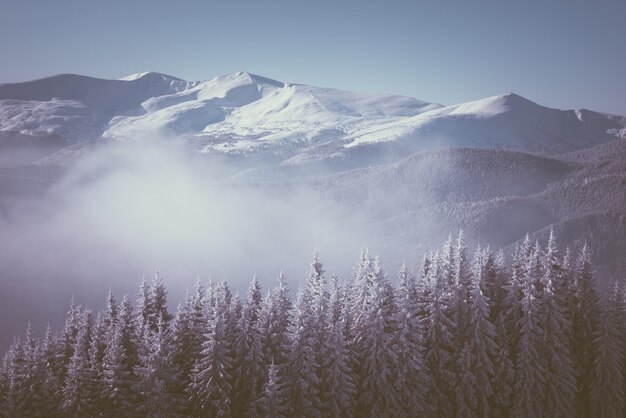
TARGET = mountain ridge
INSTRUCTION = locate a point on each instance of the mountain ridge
(247, 116)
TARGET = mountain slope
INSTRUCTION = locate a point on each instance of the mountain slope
(507, 121)
(77, 107)
(252, 117)
(496, 196)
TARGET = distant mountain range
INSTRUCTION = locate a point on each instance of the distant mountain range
(243, 114)
(499, 167)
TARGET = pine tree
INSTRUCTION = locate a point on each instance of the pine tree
(413, 379)
(439, 344)
(120, 360)
(495, 291)
(560, 375)
(273, 402)
(337, 379)
(514, 313)
(249, 361)
(188, 330)
(376, 350)
(4, 384)
(156, 375)
(586, 319)
(447, 263)
(104, 328)
(158, 304)
(68, 338)
(424, 289)
(303, 369)
(103, 331)
(322, 344)
(275, 322)
(459, 312)
(211, 386)
(476, 367)
(274, 329)
(77, 390)
(49, 362)
(530, 369)
(16, 376)
(144, 309)
(606, 397)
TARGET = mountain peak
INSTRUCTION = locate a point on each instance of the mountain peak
(149, 74)
(494, 105)
(516, 98)
(252, 78)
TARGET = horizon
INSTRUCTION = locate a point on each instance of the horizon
(561, 54)
(141, 73)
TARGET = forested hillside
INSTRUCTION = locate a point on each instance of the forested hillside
(465, 334)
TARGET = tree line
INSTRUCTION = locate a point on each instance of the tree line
(462, 335)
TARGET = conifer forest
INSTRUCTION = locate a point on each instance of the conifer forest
(468, 333)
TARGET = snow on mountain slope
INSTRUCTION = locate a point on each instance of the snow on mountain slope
(243, 112)
(77, 107)
(506, 121)
(245, 115)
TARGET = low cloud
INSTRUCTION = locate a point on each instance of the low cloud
(128, 208)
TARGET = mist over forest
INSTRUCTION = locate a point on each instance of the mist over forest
(217, 182)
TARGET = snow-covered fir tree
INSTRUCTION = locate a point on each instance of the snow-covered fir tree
(606, 397)
(585, 322)
(212, 384)
(560, 376)
(273, 401)
(120, 360)
(77, 392)
(413, 379)
(476, 361)
(439, 343)
(338, 381)
(530, 368)
(302, 374)
(156, 375)
(458, 338)
(248, 370)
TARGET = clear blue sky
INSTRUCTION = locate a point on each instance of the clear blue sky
(565, 53)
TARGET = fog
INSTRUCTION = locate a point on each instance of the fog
(124, 210)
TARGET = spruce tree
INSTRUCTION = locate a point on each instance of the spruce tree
(188, 330)
(606, 397)
(50, 364)
(560, 376)
(337, 379)
(586, 319)
(439, 344)
(158, 304)
(273, 401)
(476, 366)
(274, 329)
(530, 368)
(377, 381)
(156, 375)
(16, 380)
(77, 390)
(120, 360)
(303, 369)
(413, 378)
(248, 362)
(495, 291)
(211, 385)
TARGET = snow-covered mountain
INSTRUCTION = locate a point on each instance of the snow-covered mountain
(271, 170)
(244, 114)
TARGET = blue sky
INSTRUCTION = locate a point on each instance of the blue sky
(559, 53)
